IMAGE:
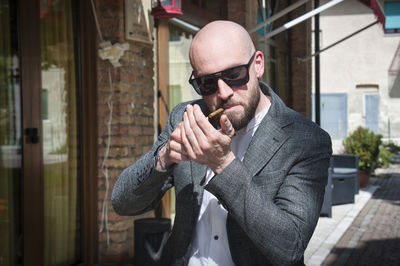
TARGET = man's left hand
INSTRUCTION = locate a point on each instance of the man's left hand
(203, 143)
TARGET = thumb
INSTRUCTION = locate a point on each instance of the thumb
(226, 126)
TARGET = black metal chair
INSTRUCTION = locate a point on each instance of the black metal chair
(344, 178)
(326, 209)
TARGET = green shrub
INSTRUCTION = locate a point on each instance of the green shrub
(385, 157)
(364, 143)
(392, 147)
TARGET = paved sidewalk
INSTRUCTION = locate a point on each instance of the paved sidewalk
(330, 230)
(364, 233)
(374, 236)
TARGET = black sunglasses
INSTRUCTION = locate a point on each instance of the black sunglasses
(234, 77)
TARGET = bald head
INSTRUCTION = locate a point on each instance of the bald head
(222, 42)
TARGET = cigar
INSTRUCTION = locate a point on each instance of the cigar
(215, 113)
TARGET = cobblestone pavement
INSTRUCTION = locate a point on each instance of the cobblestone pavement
(374, 236)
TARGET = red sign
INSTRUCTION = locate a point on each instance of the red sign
(167, 9)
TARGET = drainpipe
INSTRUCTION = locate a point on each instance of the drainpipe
(317, 67)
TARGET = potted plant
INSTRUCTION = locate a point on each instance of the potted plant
(365, 144)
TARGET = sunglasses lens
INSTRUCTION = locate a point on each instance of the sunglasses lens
(204, 85)
(209, 86)
(236, 77)
(195, 85)
(233, 77)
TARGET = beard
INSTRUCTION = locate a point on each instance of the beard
(241, 120)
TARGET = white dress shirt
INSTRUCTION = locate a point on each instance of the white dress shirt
(210, 245)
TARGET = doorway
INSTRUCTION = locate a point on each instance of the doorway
(40, 170)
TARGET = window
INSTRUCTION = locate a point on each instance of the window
(371, 112)
(333, 114)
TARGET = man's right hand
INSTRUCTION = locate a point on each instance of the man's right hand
(173, 151)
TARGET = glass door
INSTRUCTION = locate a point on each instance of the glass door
(40, 166)
(60, 134)
(10, 138)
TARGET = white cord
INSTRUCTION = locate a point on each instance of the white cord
(104, 211)
(97, 21)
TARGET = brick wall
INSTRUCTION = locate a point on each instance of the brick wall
(131, 131)
(131, 126)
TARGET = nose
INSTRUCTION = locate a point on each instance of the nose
(224, 91)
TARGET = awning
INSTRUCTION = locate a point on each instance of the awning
(387, 13)
(295, 21)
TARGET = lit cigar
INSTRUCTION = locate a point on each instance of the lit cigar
(215, 113)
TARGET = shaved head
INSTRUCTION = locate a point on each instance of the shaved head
(223, 45)
(217, 40)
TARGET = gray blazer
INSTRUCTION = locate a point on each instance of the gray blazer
(273, 197)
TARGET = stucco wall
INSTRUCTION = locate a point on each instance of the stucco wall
(361, 60)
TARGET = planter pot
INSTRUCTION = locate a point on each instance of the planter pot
(364, 178)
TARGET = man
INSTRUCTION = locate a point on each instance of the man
(248, 193)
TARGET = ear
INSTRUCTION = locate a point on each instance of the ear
(259, 64)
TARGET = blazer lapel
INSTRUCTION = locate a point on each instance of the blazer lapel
(269, 136)
(266, 141)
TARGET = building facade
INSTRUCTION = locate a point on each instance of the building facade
(86, 87)
(359, 76)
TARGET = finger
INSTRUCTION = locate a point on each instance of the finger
(226, 126)
(185, 140)
(193, 132)
(176, 141)
(176, 134)
(178, 157)
(177, 147)
(196, 116)
(203, 124)
(170, 153)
